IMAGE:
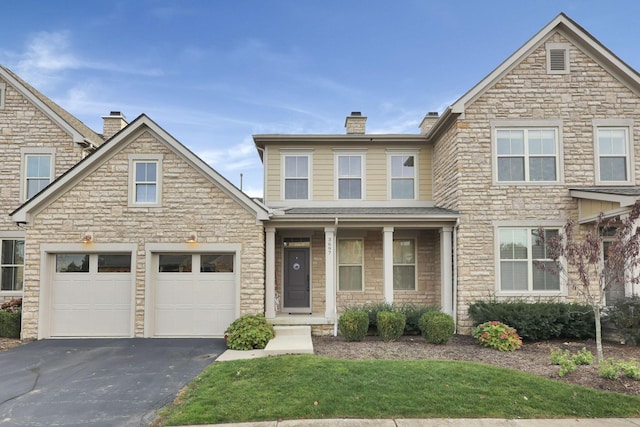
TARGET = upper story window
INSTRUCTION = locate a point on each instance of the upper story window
(349, 176)
(36, 170)
(12, 258)
(145, 180)
(557, 58)
(527, 155)
(614, 154)
(520, 256)
(402, 174)
(3, 90)
(296, 177)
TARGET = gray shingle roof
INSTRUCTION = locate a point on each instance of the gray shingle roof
(618, 191)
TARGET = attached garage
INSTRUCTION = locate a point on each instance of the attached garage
(91, 295)
(196, 294)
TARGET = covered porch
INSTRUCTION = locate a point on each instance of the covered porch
(319, 261)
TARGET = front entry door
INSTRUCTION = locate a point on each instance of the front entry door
(296, 280)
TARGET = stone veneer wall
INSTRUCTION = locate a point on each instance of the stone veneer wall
(190, 202)
(528, 92)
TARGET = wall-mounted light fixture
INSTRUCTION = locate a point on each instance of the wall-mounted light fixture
(87, 237)
(192, 238)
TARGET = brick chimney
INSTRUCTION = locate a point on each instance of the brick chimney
(429, 120)
(355, 123)
(113, 123)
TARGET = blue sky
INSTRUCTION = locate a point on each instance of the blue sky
(213, 73)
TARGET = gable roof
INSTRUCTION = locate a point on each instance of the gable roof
(70, 178)
(576, 35)
(80, 133)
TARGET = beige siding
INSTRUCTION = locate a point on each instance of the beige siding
(591, 208)
(323, 175)
(99, 204)
(272, 175)
(425, 173)
(528, 92)
(376, 174)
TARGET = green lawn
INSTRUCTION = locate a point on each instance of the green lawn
(297, 387)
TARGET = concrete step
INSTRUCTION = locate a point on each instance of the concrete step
(290, 340)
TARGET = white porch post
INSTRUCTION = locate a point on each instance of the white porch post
(270, 273)
(330, 272)
(446, 270)
(387, 255)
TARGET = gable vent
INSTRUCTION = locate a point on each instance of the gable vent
(556, 59)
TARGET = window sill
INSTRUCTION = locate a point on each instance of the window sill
(561, 293)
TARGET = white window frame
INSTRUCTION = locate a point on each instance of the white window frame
(622, 124)
(361, 264)
(528, 226)
(296, 153)
(527, 125)
(390, 178)
(12, 236)
(25, 152)
(145, 158)
(567, 57)
(3, 94)
(414, 264)
(337, 177)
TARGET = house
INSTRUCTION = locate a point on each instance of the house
(131, 234)
(140, 238)
(450, 215)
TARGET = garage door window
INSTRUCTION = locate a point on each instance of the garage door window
(72, 263)
(114, 263)
(175, 263)
(216, 263)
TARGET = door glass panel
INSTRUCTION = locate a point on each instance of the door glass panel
(175, 263)
(114, 263)
(216, 263)
(72, 263)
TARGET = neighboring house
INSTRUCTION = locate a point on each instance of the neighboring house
(143, 238)
(450, 216)
(39, 141)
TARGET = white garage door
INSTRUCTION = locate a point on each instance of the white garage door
(195, 294)
(91, 295)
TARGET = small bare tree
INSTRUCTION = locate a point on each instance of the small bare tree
(585, 268)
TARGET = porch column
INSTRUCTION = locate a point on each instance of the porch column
(330, 272)
(270, 273)
(387, 255)
(446, 270)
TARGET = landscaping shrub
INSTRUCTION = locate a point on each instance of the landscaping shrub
(625, 316)
(609, 369)
(570, 363)
(497, 335)
(249, 332)
(390, 325)
(11, 318)
(437, 327)
(353, 324)
(412, 313)
(538, 321)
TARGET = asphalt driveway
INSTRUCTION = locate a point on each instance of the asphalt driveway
(91, 382)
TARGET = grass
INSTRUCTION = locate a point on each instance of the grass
(306, 387)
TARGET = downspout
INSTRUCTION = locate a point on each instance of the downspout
(455, 272)
(335, 292)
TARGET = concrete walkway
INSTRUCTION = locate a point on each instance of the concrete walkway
(445, 422)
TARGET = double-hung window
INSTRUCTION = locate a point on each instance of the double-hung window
(349, 175)
(296, 177)
(36, 170)
(402, 172)
(145, 180)
(527, 155)
(350, 256)
(404, 264)
(613, 163)
(12, 266)
(524, 265)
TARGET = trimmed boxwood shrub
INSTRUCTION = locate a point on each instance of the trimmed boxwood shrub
(390, 324)
(353, 325)
(537, 321)
(249, 332)
(412, 313)
(10, 323)
(437, 327)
